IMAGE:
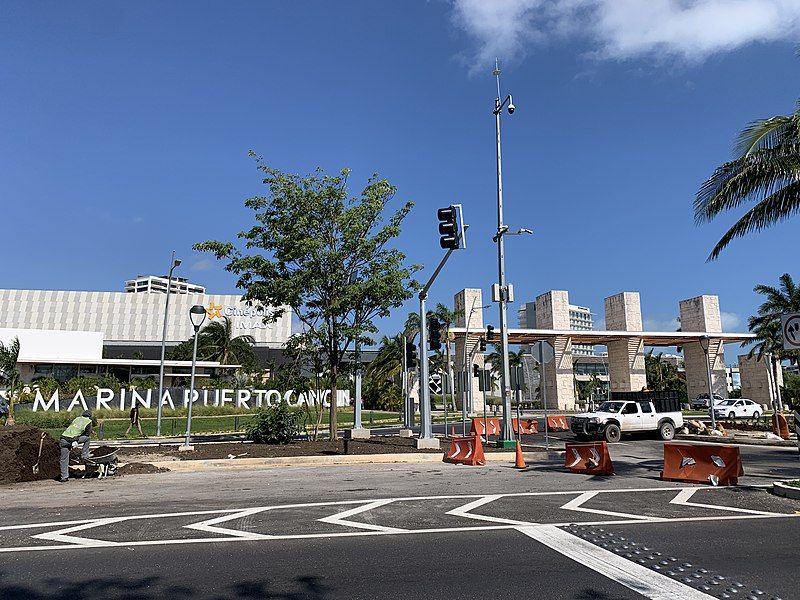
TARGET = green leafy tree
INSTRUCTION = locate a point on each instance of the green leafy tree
(9, 374)
(663, 376)
(325, 254)
(765, 170)
(791, 390)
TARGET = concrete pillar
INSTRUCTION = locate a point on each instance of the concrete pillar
(468, 305)
(552, 312)
(625, 357)
(755, 378)
(701, 314)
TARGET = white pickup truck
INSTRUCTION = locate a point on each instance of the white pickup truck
(615, 417)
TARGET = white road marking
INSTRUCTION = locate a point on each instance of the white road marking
(464, 511)
(684, 495)
(340, 518)
(636, 577)
(68, 541)
(576, 505)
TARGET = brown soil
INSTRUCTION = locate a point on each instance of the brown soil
(136, 468)
(375, 445)
(19, 450)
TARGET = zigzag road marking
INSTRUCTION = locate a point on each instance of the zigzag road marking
(64, 531)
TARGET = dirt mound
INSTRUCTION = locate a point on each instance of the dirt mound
(102, 451)
(139, 469)
(19, 449)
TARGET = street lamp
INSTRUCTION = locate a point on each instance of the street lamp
(197, 314)
(175, 262)
(507, 434)
(705, 342)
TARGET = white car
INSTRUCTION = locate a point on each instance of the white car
(741, 408)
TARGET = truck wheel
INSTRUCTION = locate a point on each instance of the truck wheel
(667, 431)
(612, 433)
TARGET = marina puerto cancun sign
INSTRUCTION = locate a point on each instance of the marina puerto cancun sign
(105, 398)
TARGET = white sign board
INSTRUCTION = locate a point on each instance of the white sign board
(790, 330)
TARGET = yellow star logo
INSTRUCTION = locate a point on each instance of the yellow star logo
(214, 310)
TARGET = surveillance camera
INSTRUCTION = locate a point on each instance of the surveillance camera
(511, 109)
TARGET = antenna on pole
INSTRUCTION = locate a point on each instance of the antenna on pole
(496, 73)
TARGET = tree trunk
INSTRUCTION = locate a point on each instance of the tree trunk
(334, 391)
(778, 400)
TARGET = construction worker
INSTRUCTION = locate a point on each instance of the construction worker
(77, 434)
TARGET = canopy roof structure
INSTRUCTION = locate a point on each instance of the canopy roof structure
(650, 338)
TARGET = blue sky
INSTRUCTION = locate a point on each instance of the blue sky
(125, 127)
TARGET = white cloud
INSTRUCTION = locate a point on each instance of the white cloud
(661, 324)
(204, 264)
(690, 30)
(730, 321)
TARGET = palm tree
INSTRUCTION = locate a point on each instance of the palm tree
(9, 374)
(388, 363)
(767, 324)
(217, 342)
(765, 170)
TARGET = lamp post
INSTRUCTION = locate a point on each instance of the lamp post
(197, 314)
(506, 434)
(705, 342)
(175, 262)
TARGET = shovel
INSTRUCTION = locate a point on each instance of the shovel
(38, 458)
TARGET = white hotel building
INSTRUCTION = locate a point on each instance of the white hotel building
(68, 333)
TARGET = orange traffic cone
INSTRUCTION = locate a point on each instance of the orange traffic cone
(520, 460)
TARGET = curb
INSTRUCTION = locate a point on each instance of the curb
(198, 466)
(779, 488)
(744, 441)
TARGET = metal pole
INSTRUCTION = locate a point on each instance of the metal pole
(507, 434)
(425, 429)
(519, 401)
(543, 389)
(357, 411)
(191, 388)
(163, 347)
(710, 389)
(406, 423)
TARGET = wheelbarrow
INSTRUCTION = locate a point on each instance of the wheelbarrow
(104, 464)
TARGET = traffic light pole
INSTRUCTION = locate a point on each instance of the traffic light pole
(426, 427)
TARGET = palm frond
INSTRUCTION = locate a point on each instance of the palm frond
(773, 209)
(763, 133)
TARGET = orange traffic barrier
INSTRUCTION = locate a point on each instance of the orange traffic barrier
(528, 426)
(465, 451)
(780, 426)
(591, 458)
(519, 460)
(478, 427)
(716, 464)
(557, 423)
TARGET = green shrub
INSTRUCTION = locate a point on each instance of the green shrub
(382, 396)
(273, 425)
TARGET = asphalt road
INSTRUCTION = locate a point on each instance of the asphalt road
(392, 531)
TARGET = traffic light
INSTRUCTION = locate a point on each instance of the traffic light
(411, 355)
(482, 345)
(476, 371)
(489, 333)
(434, 333)
(448, 228)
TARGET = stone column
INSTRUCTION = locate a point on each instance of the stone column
(552, 312)
(755, 376)
(468, 304)
(625, 357)
(701, 314)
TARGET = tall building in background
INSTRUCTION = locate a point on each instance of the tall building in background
(580, 319)
(154, 284)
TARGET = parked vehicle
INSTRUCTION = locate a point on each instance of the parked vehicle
(742, 408)
(701, 402)
(615, 417)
